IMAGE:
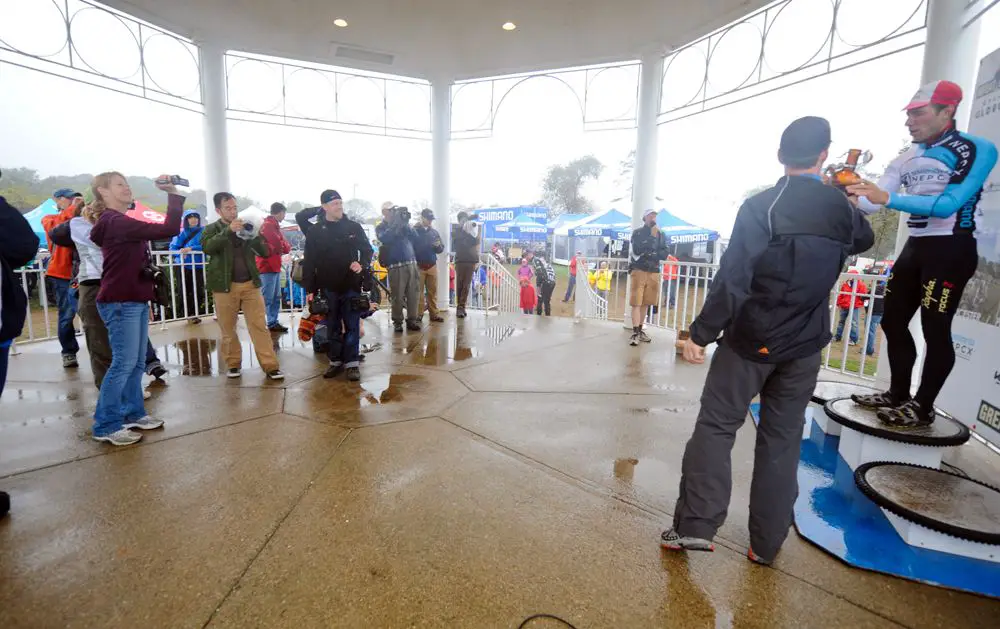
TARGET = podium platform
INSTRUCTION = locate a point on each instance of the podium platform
(827, 391)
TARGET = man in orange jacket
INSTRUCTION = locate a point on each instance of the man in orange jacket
(60, 273)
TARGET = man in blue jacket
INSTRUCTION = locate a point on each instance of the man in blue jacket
(396, 254)
(771, 301)
(427, 247)
(191, 262)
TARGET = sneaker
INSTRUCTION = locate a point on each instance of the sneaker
(69, 361)
(277, 327)
(276, 374)
(234, 372)
(671, 540)
(634, 339)
(353, 374)
(144, 423)
(460, 313)
(362, 358)
(397, 327)
(333, 371)
(4, 503)
(194, 320)
(146, 394)
(876, 400)
(156, 370)
(123, 437)
(412, 326)
(909, 414)
(437, 319)
(754, 557)
(643, 337)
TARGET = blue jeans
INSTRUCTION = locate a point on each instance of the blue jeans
(270, 288)
(120, 399)
(343, 325)
(66, 301)
(855, 321)
(873, 321)
(4, 354)
(570, 288)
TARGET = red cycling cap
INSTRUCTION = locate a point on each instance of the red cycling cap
(936, 93)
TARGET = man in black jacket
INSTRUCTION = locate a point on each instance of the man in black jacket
(770, 300)
(647, 251)
(18, 246)
(337, 251)
(545, 280)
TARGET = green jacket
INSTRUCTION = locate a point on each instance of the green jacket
(219, 272)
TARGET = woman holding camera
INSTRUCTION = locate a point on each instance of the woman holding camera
(127, 285)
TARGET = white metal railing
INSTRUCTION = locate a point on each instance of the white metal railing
(589, 304)
(501, 291)
(860, 325)
(41, 322)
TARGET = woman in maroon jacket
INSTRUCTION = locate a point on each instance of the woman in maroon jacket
(122, 301)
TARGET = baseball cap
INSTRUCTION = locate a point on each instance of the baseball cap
(329, 195)
(648, 212)
(427, 213)
(936, 93)
(804, 139)
(64, 193)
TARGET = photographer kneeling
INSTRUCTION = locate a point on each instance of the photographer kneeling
(337, 254)
(396, 254)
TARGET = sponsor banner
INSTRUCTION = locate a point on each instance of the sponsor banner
(492, 217)
(972, 392)
(680, 240)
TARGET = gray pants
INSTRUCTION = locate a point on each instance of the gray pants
(706, 473)
(404, 282)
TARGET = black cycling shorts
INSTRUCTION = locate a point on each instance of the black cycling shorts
(934, 271)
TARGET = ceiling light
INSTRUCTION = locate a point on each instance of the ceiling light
(341, 22)
(509, 26)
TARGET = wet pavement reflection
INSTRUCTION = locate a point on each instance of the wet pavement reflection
(442, 346)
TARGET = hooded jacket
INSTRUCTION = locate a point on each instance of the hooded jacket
(189, 237)
(270, 231)
(61, 261)
(771, 295)
(18, 246)
(331, 247)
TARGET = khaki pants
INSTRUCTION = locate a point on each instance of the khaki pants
(98, 345)
(429, 286)
(463, 281)
(227, 306)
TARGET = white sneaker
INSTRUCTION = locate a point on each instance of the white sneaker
(123, 437)
(634, 340)
(146, 394)
(144, 423)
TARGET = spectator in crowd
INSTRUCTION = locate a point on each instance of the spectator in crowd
(875, 314)
(545, 280)
(528, 297)
(270, 266)
(573, 264)
(337, 254)
(76, 234)
(427, 247)
(190, 267)
(670, 278)
(451, 279)
(844, 300)
(602, 280)
(123, 299)
(18, 246)
(60, 273)
(396, 254)
(648, 250)
(770, 302)
(235, 284)
(465, 240)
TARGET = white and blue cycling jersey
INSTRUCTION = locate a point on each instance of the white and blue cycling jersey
(939, 185)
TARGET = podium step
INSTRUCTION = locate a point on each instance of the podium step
(935, 509)
(825, 391)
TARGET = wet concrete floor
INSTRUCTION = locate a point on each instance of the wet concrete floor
(482, 471)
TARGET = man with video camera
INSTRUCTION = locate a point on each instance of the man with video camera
(396, 253)
(337, 260)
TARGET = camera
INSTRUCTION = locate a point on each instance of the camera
(176, 180)
(401, 213)
(361, 303)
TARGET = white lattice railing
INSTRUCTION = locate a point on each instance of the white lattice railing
(499, 291)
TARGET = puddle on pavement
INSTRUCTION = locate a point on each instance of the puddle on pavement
(202, 357)
(13, 394)
(457, 344)
(384, 388)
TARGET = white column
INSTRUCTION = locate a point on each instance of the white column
(950, 53)
(440, 192)
(213, 98)
(644, 173)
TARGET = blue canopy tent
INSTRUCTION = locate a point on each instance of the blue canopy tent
(523, 228)
(34, 218)
(608, 224)
(679, 232)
